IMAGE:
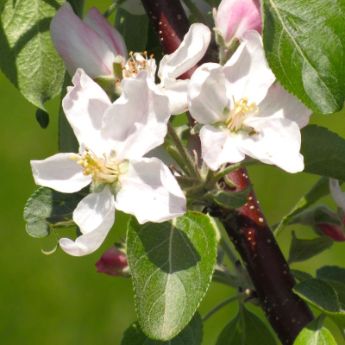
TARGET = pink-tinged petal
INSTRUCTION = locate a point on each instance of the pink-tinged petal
(333, 231)
(281, 104)
(219, 146)
(60, 172)
(137, 122)
(108, 33)
(176, 91)
(247, 70)
(150, 192)
(113, 262)
(278, 142)
(84, 105)
(187, 55)
(207, 96)
(235, 17)
(337, 194)
(95, 215)
(79, 45)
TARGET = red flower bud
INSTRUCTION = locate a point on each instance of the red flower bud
(113, 262)
(333, 231)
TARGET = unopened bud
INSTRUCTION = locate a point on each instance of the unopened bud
(113, 262)
(234, 17)
(333, 231)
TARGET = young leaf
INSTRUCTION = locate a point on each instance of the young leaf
(301, 275)
(301, 250)
(304, 44)
(246, 329)
(46, 208)
(315, 334)
(321, 295)
(230, 200)
(191, 335)
(323, 151)
(133, 28)
(28, 57)
(172, 266)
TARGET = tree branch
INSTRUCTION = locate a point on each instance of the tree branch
(248, 229)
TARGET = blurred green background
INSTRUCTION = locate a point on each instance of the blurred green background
(59, 299)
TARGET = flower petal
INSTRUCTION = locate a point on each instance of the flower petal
(219, 146)
(95, 215)
(150, 192)
(109, 34)
(176, 91)
(280, 103)
(60, 172)
(79, 45)
(234, 17)
(207, 94)
(337, 194)
(247, 70)
(278, 142)
(137, 121)
(187, 55)
(84, 106)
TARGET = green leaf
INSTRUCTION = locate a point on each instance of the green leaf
(301, 250)
(42, 118)
(246, 329)
(230, 200)
(304, 43)
(191, 335)
(321, 295)
(47, 208)
(315, 334)
(323, 151)
(28, 57)
(172, 266)
(301, 275)
(133, 28)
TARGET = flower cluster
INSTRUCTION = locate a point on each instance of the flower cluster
(242, 109)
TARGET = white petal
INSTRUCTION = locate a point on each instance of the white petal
(278, 142)
(248, 71)
(176, 91)
(84, 106)
(337, 194)
(95, 215)
(60, 172)
(207, 94)
(109, 34)
(188, 54)
(279, 103)
(137, 121)
(150, 192)
(219, 146)
(79, 45)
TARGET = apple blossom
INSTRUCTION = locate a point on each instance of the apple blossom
(92, 44)
(235, 17)
(113, 139)
(245, 113)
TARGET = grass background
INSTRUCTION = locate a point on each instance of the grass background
(59, 299)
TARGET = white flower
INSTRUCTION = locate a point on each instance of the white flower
(113, 139)
(244, 113)
(92, 44)
(173, 66)
(337, 194)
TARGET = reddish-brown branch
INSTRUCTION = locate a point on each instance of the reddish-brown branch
(248, 229)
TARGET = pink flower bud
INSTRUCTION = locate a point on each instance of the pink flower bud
(333, 231)
(113, 262)
(234, 17)
(91, 44)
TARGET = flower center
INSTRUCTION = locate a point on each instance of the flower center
(236, 116)
(105, 170)
(136, 63)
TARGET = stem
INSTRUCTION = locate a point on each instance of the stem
(218, 307)
(269, 271)
(183, 152)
